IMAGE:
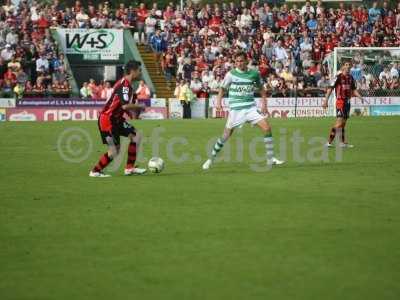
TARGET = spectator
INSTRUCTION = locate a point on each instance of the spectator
(307, 9)
(82, 18)
(356, 72)
(39, 88)
(10, 75)
(196, 86)
(286, 74)
(107, 91)
(205, 91)
(363, 86)
(181, 93)
(28, 87)
(157, 44)
(385, 74)
(14, 65)
(21, 77)
(12, 37)
(42, 64)
(150, 25)
(374, 13)
(95, 90)
(312, 24)
(169, 62)
(7, 53)
(85, 91)
(19, 90)
(324, 82)
(60, 75)
(280, 52)
(143, 94)
(7, 89)
(65, 87)
(394, 71)
(55, 87)
(3, 67)
(215, 84)
(140, 23)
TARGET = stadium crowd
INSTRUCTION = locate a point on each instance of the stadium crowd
(286, 44)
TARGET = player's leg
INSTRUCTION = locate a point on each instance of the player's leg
(336, 130)
(346, 116)
(265, 127)
(219, 144)
(134, 138)
(235, 118)
(112, 142)
(106, 158)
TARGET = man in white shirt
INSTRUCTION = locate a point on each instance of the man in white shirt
(385, 73)
(82, 17)
(307, 8)
(7, 53)
(207, 76)
(280, 52)
(96, 22)
(306, 45)
(394, 71)
(12, 37)
(150, 25)
(196, 85)
(246, 19)
(42, 64)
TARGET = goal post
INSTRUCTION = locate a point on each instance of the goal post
(375, 69)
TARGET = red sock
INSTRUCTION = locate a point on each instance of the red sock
(332, 135)
(105, 159)
(131, 156)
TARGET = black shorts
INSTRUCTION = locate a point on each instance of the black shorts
(118, 129)
(343, 109)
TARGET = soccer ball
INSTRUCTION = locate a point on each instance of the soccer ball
(156, 165)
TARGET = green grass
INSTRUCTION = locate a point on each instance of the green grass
(312, 230)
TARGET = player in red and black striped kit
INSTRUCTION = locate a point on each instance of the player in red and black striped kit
(112, 123)
(345, 88)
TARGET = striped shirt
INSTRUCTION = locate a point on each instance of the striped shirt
(241, 86)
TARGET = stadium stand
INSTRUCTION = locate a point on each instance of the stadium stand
(286, 43)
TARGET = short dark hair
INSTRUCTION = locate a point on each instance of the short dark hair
(132, 65)
(240, 54)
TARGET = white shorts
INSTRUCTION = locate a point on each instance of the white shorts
(239, 117)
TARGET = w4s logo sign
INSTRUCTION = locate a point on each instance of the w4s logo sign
(92, 41)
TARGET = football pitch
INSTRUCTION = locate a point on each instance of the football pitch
(310, 229)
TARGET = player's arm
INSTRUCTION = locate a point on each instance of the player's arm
(356, 92)
(329, 92)
(220, 95)
(358, 95)
(263, 94)
(224, 86)
(327, 95)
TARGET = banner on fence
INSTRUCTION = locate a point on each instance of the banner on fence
(154, 113)
(175, 109)
(45, 114)
(388, 110)
(60, 102)
(2, 114)
(312, 107)
(7, 102)
(103, 44)
(198, 109)
(158, 102)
